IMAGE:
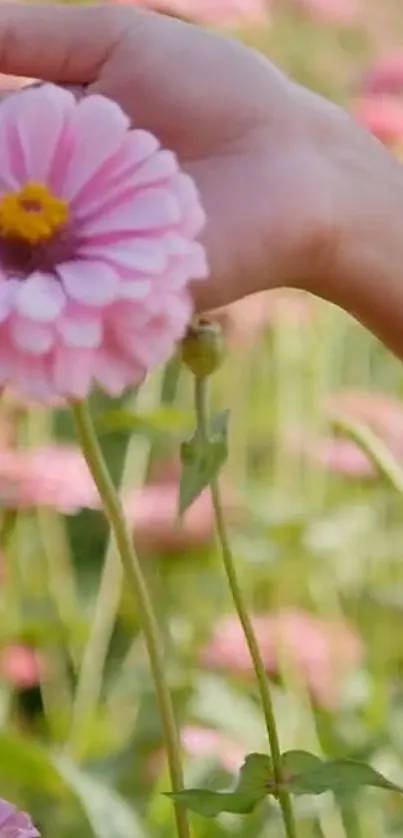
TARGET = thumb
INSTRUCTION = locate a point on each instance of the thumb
(58, 43)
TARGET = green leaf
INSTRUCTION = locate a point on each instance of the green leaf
(164, 420)
(108, 814)
(251, 789)
(202, 461)
(25, 763)
(305, 773)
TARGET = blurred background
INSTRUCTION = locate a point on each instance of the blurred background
(314, 497)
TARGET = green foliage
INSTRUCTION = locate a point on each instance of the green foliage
(203, 460)
(303, 774)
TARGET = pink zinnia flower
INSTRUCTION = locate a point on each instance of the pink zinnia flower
(341, 456)
(55, 476)
(19, 666)
(97, 249)
(322, 650)
(152, 513)
(383, 116)
(198, 741)
(15, 824)
(386, 76)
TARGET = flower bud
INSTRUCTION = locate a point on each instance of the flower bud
(202, 348)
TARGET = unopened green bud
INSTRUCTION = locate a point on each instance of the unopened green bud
(202, 347)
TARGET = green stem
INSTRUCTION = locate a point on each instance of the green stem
(114, 512)
(103, 618)
(240, 606)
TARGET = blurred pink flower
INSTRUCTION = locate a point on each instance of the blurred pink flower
(232, 13)
(323, 651)
(19, 666)
(383, 116)
(381, 412)
(97, 228)
(55, 476)
(341, 456)
(341, 12)
(153, 516)
(15, 824)
(198, 741)
(385, 77)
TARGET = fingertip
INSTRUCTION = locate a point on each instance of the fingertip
(57, 43)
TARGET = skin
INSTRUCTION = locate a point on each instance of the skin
(296, 194)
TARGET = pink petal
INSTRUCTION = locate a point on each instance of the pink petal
(100, 127)
(31, 378)
(136, 146)
(194, 218)
(91, 283)
(151, 210)
(135, 255)
(33, 338)
(150, 348)
(194, 263)
(136, 289)
(10, 153)
(115, 375)
(155, 171)
(81, 331)
(40, 297)
(73, 372)
(158, 167)
(176, 244)
(7, 292)
(40, 125)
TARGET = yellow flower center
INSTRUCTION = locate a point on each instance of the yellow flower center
(33, 214)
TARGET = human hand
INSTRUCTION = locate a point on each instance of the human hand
(295, 193)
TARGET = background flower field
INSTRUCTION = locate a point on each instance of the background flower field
(314, 501)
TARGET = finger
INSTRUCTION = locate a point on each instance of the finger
(58, 43)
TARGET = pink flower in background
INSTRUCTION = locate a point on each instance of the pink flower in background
(232, 13)
(341, 12)
(341, 456)
(153, 516)
(386, 76)
(198, 741)
(97, 249)
(382, 413)
(323, 651)
(15, 824)
(383, 116)
(19, 666)
(55, 476)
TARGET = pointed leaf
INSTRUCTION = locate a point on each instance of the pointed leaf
(108, 814)
(202, 461)
(345, 775)
(213, 803)
(250, 790)
(305, 773)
